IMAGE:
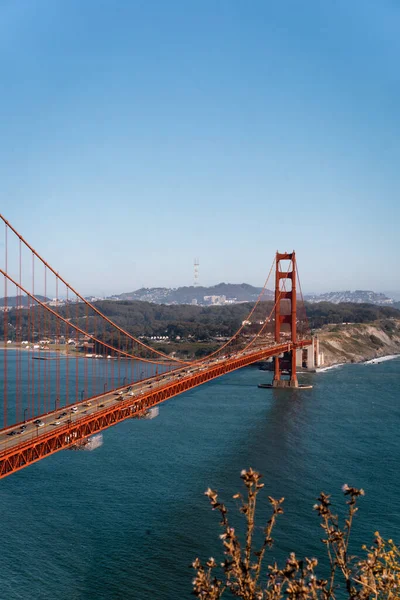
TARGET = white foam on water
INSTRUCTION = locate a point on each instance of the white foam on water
(93, 442)
(324, 369)
(376, 361)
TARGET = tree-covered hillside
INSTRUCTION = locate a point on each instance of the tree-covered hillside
(182, 321)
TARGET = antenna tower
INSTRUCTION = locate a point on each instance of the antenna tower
(196, 272)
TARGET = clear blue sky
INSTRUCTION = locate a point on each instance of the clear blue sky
(136, 135)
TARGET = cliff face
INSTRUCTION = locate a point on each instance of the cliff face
(354, 342)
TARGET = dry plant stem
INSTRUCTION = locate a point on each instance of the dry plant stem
(332, 562)
(376, 576)
(267, 538)
(345, 562)
(251, 507)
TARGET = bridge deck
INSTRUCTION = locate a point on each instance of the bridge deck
(105, 410)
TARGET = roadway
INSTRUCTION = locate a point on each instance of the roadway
(14, 435)
(60, 430)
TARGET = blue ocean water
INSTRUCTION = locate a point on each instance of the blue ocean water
(125, 521)
(31, 380)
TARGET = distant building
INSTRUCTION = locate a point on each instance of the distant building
(215, 299)
(55, 302)
(85, 346)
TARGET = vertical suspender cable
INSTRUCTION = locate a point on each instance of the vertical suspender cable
(28, 360)
(5, 326)
(33, 309)
(46, 336)
(18, 344)
(39, 362)
(76, 350)
(67, 337)
(118, 359)
(58, 350)
(85, 360)
(91, 393)
(105, 382)
(112, 361)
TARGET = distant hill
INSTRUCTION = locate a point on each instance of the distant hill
(222, 293)
(356, 297)
(21, 300)
(229, 293)
(395, 294)
(186, 324)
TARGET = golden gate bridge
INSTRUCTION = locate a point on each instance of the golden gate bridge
(100, 374)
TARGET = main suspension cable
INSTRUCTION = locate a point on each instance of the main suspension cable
(78, 295)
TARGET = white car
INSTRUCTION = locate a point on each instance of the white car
(74, 409)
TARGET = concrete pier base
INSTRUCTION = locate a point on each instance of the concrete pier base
(271, 386)
(285, 383)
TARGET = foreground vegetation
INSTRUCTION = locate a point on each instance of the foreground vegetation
(244, 573)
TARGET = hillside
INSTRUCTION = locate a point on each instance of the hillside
(325, 313)
(189, 325)
(21, 300)
(233, 292)
(358, 342)
(356, 297)
(224, 293)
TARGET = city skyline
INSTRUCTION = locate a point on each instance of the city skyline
(138, 136)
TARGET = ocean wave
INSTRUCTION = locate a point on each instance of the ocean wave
(324, 369)
(376, 361)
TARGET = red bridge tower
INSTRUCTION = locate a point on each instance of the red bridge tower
(281, 293)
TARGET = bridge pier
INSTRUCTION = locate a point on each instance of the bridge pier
(285, 383)
(311, 357)
(289, 368)
(282, 318)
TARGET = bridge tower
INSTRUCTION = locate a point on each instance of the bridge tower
(282, 293)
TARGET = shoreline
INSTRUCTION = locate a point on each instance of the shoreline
(348, 343)
(36, 355)
(15, 348)
(368, 361)
(355, 343)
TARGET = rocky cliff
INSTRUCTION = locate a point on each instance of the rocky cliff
(357, 342)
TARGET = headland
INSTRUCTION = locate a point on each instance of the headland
(359, 342)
